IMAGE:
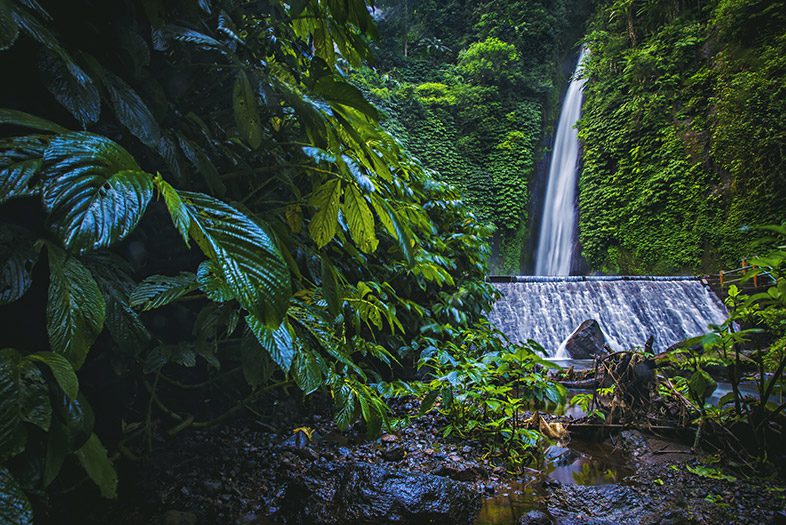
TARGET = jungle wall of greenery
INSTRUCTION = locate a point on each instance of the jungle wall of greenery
(195, 203)
(683, 131)
(472, 90)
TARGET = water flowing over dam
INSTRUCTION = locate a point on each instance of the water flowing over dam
(558, 225)
(628, 309)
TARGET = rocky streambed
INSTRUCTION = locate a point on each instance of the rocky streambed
(264, 471)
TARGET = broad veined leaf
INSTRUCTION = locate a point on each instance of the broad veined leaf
(12, 432)
(701, 385)
(34, 406)
(70, 430)
(71, 87)
(357, 173)
(324, 223)
(26, 120)
(14, 507)
(307, 371)
(397, 229)
(359, 219)
(9, 31)
(256, 362)
(337, 92)
(112, 274)
(175, 206)
(190, 36)
(75, 310)
(21, 160)
(279, 343)
(247, 258)
(61, 369)
(246, 108)
(96, 463)
(131, 110)
(160, 290)
(201, 161)
(18, 255)
(183, 354)
(212, 283)
(94, 190)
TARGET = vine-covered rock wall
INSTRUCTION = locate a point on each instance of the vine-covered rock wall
(683, 133)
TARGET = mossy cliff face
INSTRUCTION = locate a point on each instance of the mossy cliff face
(683, 133)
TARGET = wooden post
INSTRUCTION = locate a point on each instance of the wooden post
(721, 278)
(744, 264)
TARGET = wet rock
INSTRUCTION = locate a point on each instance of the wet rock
(600, 504)
(394, 453)
(561, 456)
(460, 471)
(535, 517)
(633, 442)
(350, 493)
(586, 341)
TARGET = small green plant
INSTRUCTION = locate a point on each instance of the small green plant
(490, 390)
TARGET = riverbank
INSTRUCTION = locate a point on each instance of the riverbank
(260, 470)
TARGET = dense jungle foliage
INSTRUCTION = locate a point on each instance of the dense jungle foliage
(683, 131)
(472, 89)
(195, 199)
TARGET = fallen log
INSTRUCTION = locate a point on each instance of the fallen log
(584, 384)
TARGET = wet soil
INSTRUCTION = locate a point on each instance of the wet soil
(243, 473)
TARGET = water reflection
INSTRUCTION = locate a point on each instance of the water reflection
(580, 463)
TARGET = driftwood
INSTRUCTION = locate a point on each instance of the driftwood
(585, 384)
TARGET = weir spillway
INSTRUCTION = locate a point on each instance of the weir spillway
(628, 309)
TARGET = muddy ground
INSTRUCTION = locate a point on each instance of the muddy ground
(256, 470)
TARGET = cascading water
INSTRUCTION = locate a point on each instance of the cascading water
(555, 248)
(628, 309)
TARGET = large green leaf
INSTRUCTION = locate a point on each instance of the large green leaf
(394, 226)
(244, 254)
(324, 224)
(160, 290)
(113, 275)
(61, 369)
(360, 220)
(96, 463)
(279, 343)
(15, 509)
(9, 31)
(94, 190)
(75, 310)
(307, 371)
(256, 362)
(34, 405)
(176, 207)
(18, 255)
(12, 432)
(131, 110)
(71, 86)
(701, 385)
(246, 108)
(26, 120)
(212, 283)
(21, 160)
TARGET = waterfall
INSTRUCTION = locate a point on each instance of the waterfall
(558, 224)
(628, 309)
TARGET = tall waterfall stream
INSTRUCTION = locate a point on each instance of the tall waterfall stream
(558, 224)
